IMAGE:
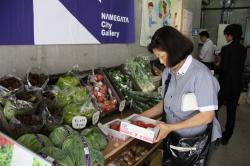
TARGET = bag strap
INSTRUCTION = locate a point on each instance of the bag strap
(167, 81)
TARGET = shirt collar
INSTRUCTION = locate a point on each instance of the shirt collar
(185, 66)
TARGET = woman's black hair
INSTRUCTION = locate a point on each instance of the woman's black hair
(170, 40)
(204, 33)
(234, 30)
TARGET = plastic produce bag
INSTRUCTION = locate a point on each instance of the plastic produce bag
(35, 80)
(70, 111)
(34, 142)
(68, 81)
(140, 70)
(21, 103)
(61, 158)
(76, 95)
(59, 135)
(92, 134)
(23, 124)
(81, 152)
(10, 85)
(52, 117)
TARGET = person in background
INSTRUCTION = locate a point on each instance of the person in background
(231, 67)
(189, 101)
(206, 55)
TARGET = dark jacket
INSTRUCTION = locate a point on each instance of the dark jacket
(233, 58)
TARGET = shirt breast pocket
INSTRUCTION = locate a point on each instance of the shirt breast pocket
(189, 102)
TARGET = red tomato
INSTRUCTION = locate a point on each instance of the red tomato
(95, 93)
(150, 125)
(113, 107)
(100, 99)
(114, 101)
(115, 126)
(104, 90)
(98, 77)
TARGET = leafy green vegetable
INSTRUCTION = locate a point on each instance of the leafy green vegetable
(74, 147)
(96, 138)
(37, 162)
(122, 81)
(76, 95)
(9, 110)
(140, 70)
(59, 155)
(6, 152)
(68, 81)
(59, 135)
(34, 142)
(72, 110)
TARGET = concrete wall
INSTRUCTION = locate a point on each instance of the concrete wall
(60, 58)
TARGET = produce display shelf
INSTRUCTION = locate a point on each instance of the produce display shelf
(139, 162)
(112, 152)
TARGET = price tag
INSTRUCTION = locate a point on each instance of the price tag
(103, 128)
(95, 117)
(79, 122)
(122, 105)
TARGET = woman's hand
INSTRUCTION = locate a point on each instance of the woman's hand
(165, 129)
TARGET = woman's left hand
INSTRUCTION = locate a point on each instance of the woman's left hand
(165, 129)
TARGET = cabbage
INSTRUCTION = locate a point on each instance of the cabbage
(59, 155)
(59, 135)
(74, 147)
(79, 95)
(34, 142)
(76, 95)
(67, 81)
(96, 138)
(78, 110)
(62, 98)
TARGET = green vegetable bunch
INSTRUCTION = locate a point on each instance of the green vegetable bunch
(140, 70)
(6, 152)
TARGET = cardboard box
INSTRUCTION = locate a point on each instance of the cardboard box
(116, 135)
(144, 134)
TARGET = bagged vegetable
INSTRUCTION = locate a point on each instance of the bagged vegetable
(52, 117)
(76, 95)
(9, 85)
(81, 153)
(59, 135)
(34, 142)
(61, 158)
(21, 103)
(23, 124)
(87, 110)
(68, 81)
(96, 138)
(35, 80)
(49, 98)
(140, 70)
